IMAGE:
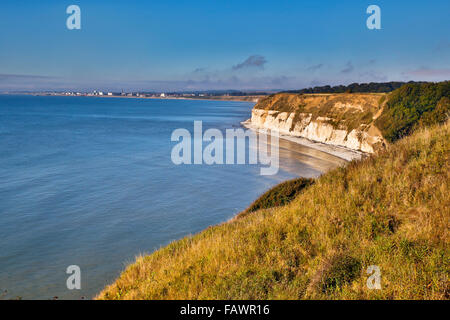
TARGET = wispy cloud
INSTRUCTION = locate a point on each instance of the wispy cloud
(371, 76)
(235, 82)
(27, 82)
(442, 46)
(8, 77)
(348, 68)
(199, 70)
(208, 82)
(252, 61)
(428, 72)
(314, 67)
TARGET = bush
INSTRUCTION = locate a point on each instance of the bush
(279, 195)
(341, 270)
(412, 106)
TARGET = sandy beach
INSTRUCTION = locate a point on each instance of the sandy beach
(338, 151)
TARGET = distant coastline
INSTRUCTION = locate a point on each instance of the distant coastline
(249, 98)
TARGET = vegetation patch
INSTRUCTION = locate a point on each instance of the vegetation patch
(374, 87)
(414, 106)
(337, 271)
(279, 195)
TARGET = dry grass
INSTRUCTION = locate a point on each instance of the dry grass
(279, 195)
(344, 110)
(391, 210)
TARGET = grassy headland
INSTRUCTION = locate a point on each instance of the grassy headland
(305, 240)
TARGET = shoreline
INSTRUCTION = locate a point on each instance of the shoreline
(334, 150)
(251, 99)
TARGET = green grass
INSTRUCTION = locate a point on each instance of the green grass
(279, 195)
(413, 106)
(391, 210)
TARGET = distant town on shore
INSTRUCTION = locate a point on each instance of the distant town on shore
(372, 87)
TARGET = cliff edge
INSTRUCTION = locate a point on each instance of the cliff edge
(345, 119)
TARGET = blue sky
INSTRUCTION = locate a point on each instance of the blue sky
(220, 44)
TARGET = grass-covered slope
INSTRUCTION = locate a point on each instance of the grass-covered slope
(413, 106)
(391, 210)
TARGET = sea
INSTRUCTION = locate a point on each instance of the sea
(90, 182)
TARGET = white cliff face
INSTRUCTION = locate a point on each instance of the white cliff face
(317, 130)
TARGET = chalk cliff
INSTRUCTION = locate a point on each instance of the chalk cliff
(344, 120)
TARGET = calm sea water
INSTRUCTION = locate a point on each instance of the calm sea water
(90, 182)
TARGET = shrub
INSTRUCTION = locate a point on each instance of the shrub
(279, 195)
(412, 106)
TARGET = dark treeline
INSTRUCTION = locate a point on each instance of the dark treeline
(355, 87)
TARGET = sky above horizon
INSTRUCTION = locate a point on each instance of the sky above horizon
(175, 45)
